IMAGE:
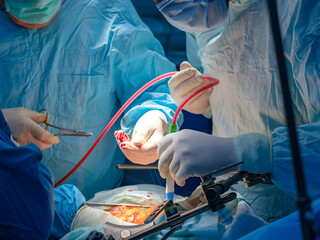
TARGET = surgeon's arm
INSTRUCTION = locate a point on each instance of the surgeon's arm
(283, 172)
(26, 202)
(146, 62)
(142, 59)
(263, 154)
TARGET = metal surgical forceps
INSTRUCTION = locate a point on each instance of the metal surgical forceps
(70, 132)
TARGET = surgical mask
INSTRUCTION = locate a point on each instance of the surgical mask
(31, 13)
(194, 15)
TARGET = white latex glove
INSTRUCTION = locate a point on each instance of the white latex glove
(190, 153)
(25, 130)
(148, 131)
(184, 83)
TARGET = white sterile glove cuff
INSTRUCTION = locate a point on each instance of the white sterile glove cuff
(186, 82)
(190, 153)
(254, 149)
(147, 133)
(25, 130)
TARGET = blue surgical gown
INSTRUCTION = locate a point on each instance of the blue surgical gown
(67, 200)
(82, 67)
(286, 228)
(283, 173)
(240, 53)
(26, 190)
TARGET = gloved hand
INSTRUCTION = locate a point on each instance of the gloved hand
(190, 153)
(25, 130)
(184, 83)
(148, 131)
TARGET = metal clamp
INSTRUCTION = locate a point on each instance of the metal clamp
(253, 179)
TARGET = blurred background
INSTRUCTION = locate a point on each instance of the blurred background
(172, 39)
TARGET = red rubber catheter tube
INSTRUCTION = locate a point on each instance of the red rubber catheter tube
(173, 128)
(117, 115)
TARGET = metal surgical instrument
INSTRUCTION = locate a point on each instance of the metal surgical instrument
(70, 132)
(136, 167)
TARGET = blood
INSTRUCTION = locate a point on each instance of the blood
(122, 136)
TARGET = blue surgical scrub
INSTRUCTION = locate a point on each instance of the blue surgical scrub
(67, 200)
(82, 68)
(26, 190)
(286, 228)
(30, 208)
(283, 172)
